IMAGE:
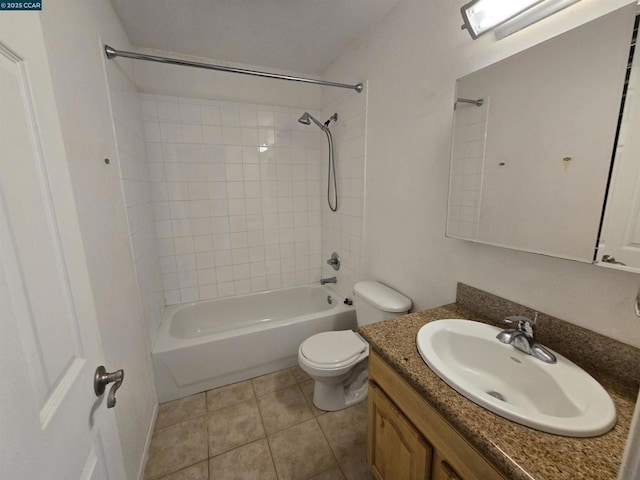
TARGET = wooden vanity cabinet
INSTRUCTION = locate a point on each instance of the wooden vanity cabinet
(408, 439)
(398, 450)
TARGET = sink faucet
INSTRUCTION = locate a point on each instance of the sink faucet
(521, 338)
(324, 281)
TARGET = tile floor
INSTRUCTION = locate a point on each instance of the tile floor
(265, 428)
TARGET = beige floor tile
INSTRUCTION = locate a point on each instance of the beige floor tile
(301, 451)
(181, 409)
(333, 474)
(346, 431)
(299, 374)
(249, 462)
(307, 391)
(229, 395)
(176, 447)
(199, 471)
(233, 426)
(273, 381)
(283, 408)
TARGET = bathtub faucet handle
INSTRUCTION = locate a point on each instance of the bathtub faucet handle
(334, 261)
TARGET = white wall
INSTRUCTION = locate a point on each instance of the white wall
(73, 32)
(411, 60)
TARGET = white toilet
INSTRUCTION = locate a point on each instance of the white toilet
(337, 361)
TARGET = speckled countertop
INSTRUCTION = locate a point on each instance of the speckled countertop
(518, 451)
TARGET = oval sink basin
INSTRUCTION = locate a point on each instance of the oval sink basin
(558, 398)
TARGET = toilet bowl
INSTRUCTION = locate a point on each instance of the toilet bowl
(338, 360)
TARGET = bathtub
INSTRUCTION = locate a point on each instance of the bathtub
(205, 345)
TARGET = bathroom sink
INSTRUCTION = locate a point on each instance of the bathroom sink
(558, 398)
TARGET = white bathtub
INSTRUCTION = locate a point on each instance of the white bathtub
(208, 344)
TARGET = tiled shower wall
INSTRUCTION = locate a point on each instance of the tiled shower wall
(129, 131)
(342, 231)
(236, 194)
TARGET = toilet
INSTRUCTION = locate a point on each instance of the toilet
(337, 360)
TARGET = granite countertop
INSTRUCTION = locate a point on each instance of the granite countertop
(520, 452)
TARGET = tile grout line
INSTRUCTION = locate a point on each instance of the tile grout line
(266, 437)
(206, 408)
(300, 382)
(246, 443)
(156, 429)
(185, 466)
(333, 451)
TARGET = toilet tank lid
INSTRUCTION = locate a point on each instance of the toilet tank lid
(381, 296)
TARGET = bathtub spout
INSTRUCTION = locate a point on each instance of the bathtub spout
(324, 281)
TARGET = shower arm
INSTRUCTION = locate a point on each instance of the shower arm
(322, 126)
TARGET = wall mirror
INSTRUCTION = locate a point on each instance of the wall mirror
(533, 139)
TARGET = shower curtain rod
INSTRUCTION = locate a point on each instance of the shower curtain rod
(478, 103)
(113, 53)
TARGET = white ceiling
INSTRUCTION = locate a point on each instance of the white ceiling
(302, 36)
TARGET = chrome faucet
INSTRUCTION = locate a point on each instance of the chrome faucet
(324, 281)
(522, 338)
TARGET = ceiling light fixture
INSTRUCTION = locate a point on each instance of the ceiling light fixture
(531, 16)
(481, 16)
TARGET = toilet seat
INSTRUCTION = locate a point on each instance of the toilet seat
(333, 350)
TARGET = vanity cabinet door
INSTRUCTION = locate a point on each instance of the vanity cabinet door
(395, 450)
(422, 436)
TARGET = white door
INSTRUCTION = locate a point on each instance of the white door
(620, 236)
(52, 425)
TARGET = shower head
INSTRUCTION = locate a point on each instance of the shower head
(306, 118)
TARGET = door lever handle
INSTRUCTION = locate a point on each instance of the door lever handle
(100, 381)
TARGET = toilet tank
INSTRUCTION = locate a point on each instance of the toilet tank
(376, 302)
